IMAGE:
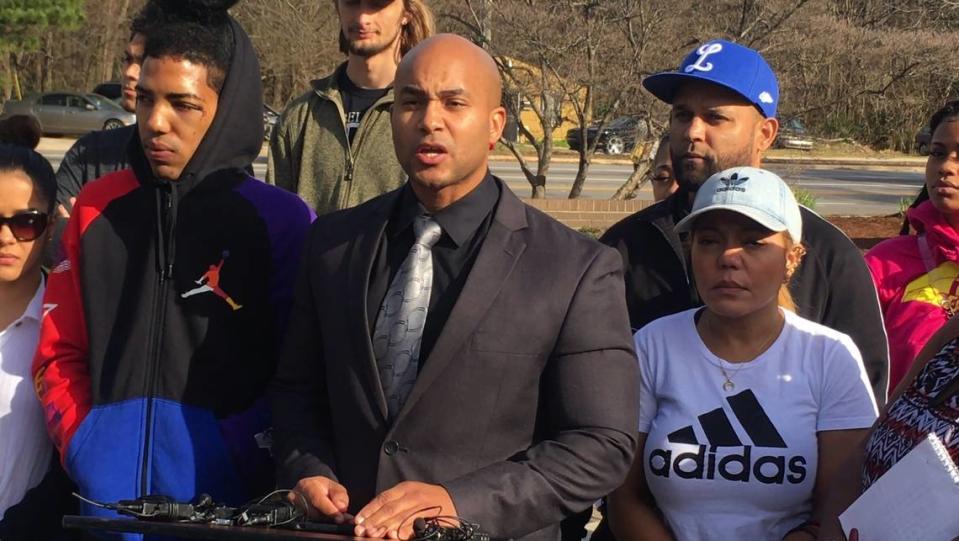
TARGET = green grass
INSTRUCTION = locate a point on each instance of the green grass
(804, 197)
(592, 232)
(904, 203)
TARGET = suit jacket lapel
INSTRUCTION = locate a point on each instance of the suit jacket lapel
(364, 249)
(495, 261)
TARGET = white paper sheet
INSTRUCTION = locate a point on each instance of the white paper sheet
(918, 498)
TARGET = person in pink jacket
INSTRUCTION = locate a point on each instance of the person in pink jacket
(917, 276)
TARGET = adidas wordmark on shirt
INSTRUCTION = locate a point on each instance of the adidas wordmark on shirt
(741, 464)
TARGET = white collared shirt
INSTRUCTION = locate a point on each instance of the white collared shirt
(25, 448)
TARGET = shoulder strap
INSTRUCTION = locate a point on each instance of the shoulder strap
(925, 252)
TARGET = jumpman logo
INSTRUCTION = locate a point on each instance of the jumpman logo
(209, 282)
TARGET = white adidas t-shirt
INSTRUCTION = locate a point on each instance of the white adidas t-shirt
(741, 464)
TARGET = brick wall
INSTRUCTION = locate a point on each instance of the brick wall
(590, 213)
(602, 213)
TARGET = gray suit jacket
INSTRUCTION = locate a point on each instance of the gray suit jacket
(526, 408)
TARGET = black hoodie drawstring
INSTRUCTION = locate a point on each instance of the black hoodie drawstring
(158, 246)
(166, 213)
(172, 207)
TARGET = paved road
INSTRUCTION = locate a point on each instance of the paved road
(838, 190)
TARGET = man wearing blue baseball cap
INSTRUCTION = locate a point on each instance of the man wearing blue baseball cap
(724, 99)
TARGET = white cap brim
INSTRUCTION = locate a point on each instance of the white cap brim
(686, 224)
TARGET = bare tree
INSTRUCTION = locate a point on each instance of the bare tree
(296, 41)
(509, 30)
(611, 33)
(868, 70)
(108, 32)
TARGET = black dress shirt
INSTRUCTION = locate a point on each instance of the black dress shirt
(464, 223)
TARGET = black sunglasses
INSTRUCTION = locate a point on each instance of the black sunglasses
(26, 225)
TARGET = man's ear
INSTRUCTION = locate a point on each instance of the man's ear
(497, 123)
(767, 130)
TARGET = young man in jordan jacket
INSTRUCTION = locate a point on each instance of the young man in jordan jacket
(161, 323)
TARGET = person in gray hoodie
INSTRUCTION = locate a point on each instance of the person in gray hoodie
(333, 144)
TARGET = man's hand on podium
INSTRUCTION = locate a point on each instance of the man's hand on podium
(391, 514)
(325, 498)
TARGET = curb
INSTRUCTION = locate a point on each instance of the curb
(563, 159)
(867, 162)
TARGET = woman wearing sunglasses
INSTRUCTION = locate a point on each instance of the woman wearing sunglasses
(30, 482)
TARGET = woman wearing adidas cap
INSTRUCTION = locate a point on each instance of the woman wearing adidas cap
(746, 409)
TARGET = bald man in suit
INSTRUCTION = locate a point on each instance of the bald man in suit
(453, 351)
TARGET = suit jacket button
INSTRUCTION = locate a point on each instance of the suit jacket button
(391, 447)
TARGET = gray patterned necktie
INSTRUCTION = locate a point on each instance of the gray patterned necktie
(399, 324)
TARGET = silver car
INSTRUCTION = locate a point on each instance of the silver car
(70, 113)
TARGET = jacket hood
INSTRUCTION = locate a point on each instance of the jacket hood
(943, 239)
(235, 137)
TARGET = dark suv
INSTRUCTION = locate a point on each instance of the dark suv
(617, 137)
(111, 89)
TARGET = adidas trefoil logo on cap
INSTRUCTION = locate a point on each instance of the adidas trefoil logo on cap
(732, 183)
(719, 431)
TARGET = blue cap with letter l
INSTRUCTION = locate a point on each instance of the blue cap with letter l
(726, 64)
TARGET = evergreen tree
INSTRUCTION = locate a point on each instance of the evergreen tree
(23, 22)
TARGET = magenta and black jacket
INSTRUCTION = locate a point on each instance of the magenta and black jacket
(917, 278)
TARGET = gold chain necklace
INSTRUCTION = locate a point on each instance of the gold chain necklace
(729, 385)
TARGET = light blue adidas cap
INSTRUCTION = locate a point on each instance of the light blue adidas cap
(724, 63)
(757, 194)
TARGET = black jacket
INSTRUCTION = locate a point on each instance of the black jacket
(832, 285)
(37, 517)
(95, 155)
(92, 156)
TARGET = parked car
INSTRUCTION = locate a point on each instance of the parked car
(618, 136)
(923, 140)
(270, 116)
(110, 89)
(70, 112)
(793, 134)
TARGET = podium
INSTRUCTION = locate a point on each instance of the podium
(203, 531)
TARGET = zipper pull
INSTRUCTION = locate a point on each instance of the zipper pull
(349, 171)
